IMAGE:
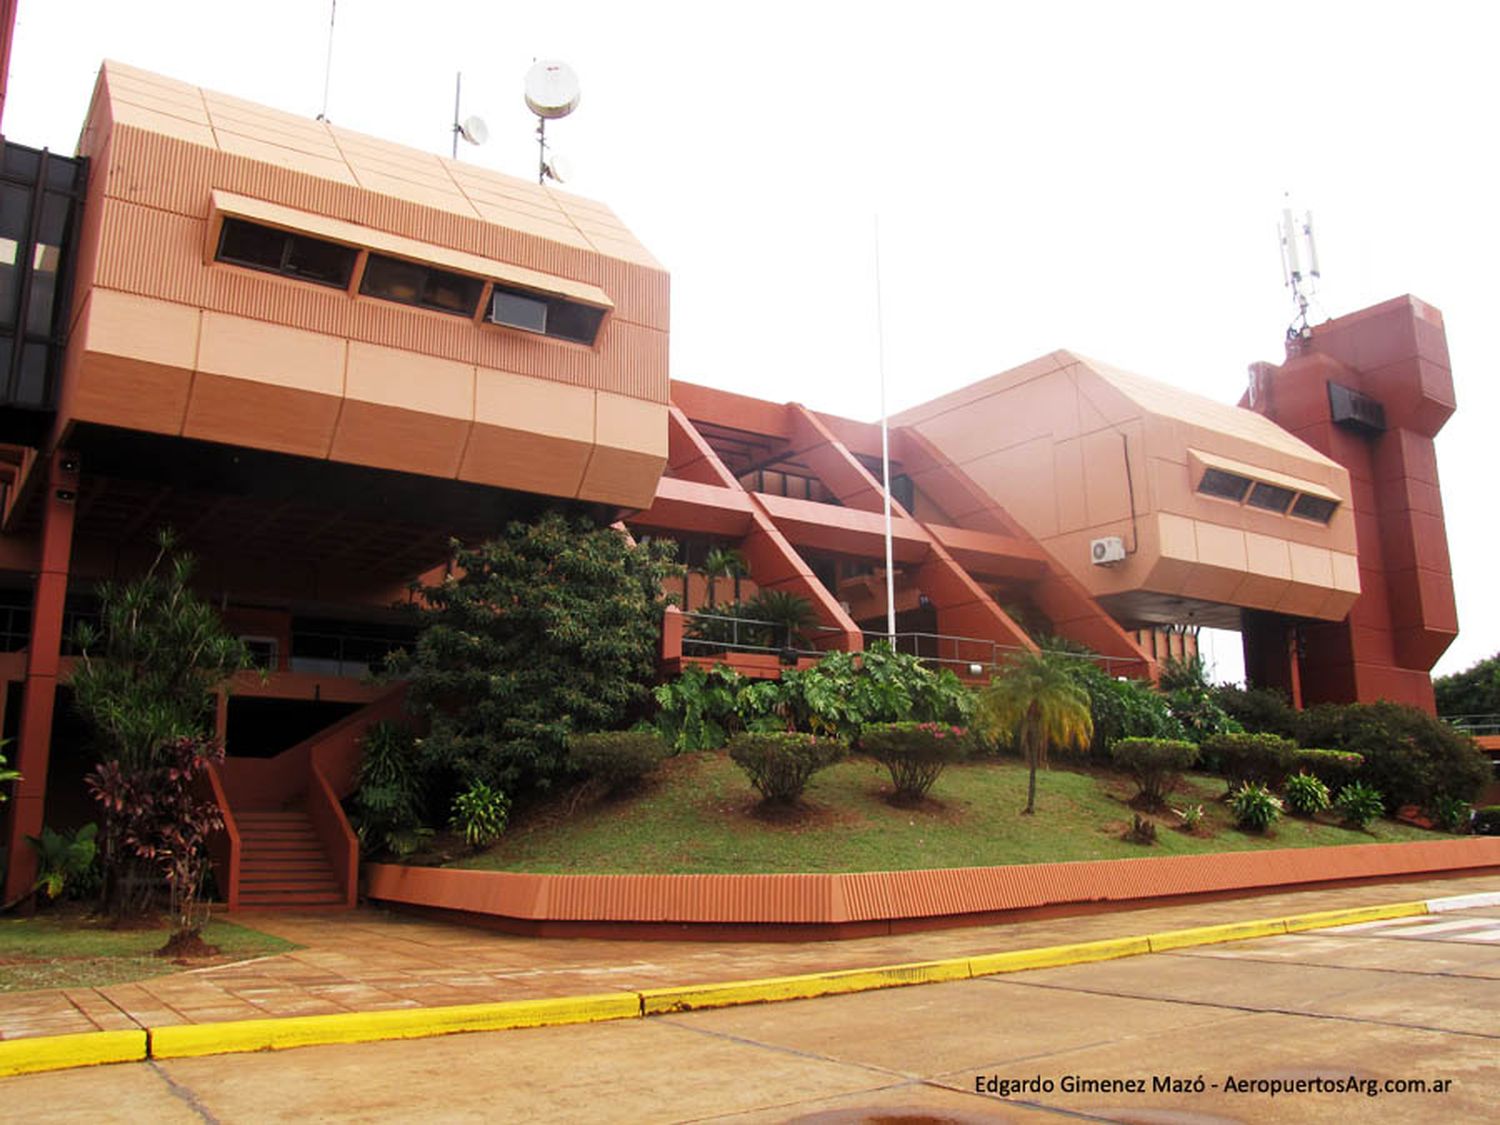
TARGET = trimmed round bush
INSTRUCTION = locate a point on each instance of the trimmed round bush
(1254, 806)
(1306, 795)
(1261, 759)
(915, 754)
(1155, 764)
(1359, 804)
(618, 760)
(1334, 768)
(780, 763)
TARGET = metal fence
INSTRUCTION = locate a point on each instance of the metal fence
(1475, 724)
(712, 634)
(976, 656)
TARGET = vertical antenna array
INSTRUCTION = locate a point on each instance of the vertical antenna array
(1299, 266)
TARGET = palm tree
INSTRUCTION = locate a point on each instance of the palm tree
(723, 562)
(789, 615)
(1035, 700)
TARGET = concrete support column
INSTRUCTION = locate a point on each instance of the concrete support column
(43, 658)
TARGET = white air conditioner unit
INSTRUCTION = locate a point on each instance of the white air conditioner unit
(1106, 551)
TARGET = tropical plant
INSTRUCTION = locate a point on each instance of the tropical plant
(1255, 807)
(1306, 795)
(1184, 672)
(1196, 709)
(780, 763)
(145, 683)
(1451, 814)
(697, 710)
(789, 616)
(160, 817)
(1359, 804)
(549, 629)
(1035, 702)
(617, 760)
(480, 813)
(723, 562)
(63, 859)
(386, 808)
(1122, 708)
(1156, 765)
(915, 754)
(1191, 817)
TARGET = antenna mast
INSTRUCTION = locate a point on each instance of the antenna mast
(551, 92)
(1299, 265)
(333, 11)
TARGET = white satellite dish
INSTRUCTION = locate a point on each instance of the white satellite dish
(551, 89)
(559, 168)
(474, 130)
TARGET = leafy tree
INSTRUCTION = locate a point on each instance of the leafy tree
(145, 684)
(1035, 701)
(1474, 691)
(548, 629)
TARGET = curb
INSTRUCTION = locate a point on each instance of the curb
(60, 1052)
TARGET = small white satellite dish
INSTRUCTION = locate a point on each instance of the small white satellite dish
(474, 130)
(559, 168)
(551, 89)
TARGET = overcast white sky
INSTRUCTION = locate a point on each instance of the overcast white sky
(1104, 177)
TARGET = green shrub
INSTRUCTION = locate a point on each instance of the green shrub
(1122, 708)
(1306, 795)
(386, 808)
(1156, 765)
(1254, 806)
(1410, 756)
(1359, 804)
(617, 760)
(914, 753)
(1451, 814)
(1258, 710)
(1263, 759)
(780, 763)
(480, 813)
(65, 861)
(1191, 817)
(697, 710)
(1196, 709)
(1486, 821)
(1334, 768)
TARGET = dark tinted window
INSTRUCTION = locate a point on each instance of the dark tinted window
(392, 279)
(1216, 482)
(1270, 497)
(1314, 508)
(279, 251)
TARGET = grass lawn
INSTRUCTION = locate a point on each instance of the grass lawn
(67, 950)
(700, 815)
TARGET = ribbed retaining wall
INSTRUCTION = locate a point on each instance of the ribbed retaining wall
(855, 905)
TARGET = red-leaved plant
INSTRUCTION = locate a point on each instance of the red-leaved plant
(155, 813)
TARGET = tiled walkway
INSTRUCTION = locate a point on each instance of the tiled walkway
(369, 960)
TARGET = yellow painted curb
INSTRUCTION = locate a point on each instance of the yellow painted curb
(1055, 956)
(1211, 935)
(188, 1040)
(1324, 918)
(62, 1052)
(661, 1001)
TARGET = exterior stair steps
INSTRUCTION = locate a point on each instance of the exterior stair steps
(282, 862)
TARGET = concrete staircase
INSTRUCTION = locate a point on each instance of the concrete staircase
(283, 863)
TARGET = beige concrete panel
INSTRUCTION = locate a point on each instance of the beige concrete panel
(621, 476)
(128, 393)
(136, 362)
(1104, 472)
(1345, 572)
(556, 230)
(1268, 556)
(1220, 546)
(1020, 479)
(517, 402)
(1301, 600)
(918, 416)
(324, 168)
(1177, 537)
(406, 441)
(1259, 591)
(1312, 566)
(425, 384)
(1071, 493)
(531, 462)
(626, 250)
(281, 418)
(1170, 490)
(126, 79)
(156, 121)
(140, 328)
(630, 424)
(272, 354)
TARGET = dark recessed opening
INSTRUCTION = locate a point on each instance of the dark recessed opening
(545, 315)
(1314, 508)
(279, 251)
(392, 279)
(1270, 497)
(1228, 486)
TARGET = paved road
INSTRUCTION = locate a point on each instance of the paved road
(1355, 1010)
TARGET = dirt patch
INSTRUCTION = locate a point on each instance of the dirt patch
(187, 946)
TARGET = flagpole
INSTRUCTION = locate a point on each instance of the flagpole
(885, 448)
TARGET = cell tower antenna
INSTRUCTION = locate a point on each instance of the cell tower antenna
(1299, 266)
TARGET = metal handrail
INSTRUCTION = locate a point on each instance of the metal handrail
(736, 644)
(983, 654)
(1474, 724)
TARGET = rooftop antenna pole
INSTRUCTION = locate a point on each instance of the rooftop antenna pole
(458, 85)
(551, 92)
(333, 11)
(471, 129)
(1297, 244)
(885, 447)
